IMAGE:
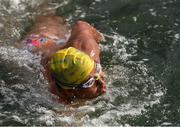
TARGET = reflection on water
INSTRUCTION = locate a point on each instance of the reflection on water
(140, 56)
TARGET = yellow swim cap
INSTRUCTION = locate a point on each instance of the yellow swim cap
(71, 67)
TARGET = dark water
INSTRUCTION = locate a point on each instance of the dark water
(140, 56)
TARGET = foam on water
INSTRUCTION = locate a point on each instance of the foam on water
(130, 79)
(21, 57)
(113, 106)
(24, 98)
(27, 101)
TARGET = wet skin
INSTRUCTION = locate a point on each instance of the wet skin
(83, 37)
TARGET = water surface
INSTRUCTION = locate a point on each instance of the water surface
(140, 56)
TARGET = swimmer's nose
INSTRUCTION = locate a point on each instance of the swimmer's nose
(104, 88)
(101, 85)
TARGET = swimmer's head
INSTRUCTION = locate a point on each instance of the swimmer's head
(77, 74)
(71, 67)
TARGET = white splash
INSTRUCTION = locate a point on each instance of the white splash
(135, 19)
(152, 12)
(21, 57)
(177, 36)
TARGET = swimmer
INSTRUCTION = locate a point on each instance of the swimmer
(70, 57)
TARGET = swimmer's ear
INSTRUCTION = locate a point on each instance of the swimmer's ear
(102, 75)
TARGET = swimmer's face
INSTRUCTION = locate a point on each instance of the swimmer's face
(98, 88)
